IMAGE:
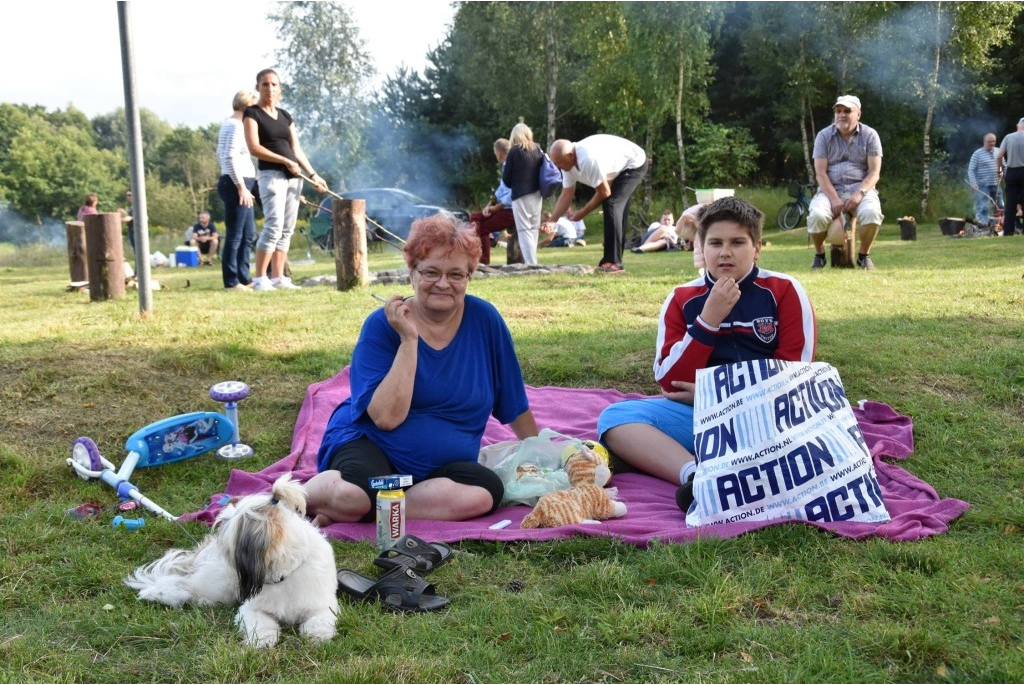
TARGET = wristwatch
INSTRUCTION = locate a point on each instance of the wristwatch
(862, 192)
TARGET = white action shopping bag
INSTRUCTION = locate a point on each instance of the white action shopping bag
(779, 440)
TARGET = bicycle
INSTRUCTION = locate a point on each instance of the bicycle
(791, 212)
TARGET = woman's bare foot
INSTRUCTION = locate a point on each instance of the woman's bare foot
(321, 521)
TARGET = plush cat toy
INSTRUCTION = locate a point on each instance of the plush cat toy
(587, 499)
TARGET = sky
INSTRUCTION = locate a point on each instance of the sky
(190, 57)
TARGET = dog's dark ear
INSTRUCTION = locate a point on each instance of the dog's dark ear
(251, 544)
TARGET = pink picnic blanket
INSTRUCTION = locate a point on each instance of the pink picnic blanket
(916, 509)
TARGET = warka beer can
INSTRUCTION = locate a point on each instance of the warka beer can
(390, 517)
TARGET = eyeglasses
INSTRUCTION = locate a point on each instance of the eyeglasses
(433, 275)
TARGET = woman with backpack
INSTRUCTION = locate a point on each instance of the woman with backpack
(522, 175)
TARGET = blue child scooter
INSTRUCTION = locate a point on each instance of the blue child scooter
(169, 440)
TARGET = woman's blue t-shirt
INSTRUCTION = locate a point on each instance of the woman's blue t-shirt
(455, 391)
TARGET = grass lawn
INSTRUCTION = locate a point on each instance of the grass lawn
(936, 331)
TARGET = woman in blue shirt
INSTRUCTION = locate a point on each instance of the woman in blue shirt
(427, 372)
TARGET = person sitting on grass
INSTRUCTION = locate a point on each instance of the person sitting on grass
(496, 216)
(205, 237)
(427, 373)
(562, 233)
(660, 235)
(736, 312)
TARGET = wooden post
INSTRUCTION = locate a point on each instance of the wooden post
(845, 256)
(77, 263)
(349, 232)
(513, 253)
(105, 253)
(851, 241)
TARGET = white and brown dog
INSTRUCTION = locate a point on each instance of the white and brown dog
(264, 553)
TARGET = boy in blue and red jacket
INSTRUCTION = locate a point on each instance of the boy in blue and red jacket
(736, 312)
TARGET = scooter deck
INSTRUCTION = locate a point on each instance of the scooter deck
(180, 437)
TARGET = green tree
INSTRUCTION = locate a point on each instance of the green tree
(548, 60)
(325, 70)
(111, 133)
(671, 44)
(944, 63)
(978, 30)
(722, 155)
(170, 205)
(501, 63)
(789, 78)
(46, 169)
(189, 158)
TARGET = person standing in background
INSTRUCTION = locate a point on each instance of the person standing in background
(983, 175)
(522, 175)
(613, 167)
(271, 137)
(235, 187)
(1010, 163)
(126, 218)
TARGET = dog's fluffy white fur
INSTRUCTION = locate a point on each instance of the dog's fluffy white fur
(263, 553)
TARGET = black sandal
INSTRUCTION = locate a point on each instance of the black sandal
(411, 552)
(400, 589)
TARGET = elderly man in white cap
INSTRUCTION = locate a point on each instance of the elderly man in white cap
(847, 164)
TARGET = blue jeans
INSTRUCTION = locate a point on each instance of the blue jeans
(239, 232)
(984, 210)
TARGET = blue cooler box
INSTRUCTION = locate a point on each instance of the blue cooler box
(187, 256)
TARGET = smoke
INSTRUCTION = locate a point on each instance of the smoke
(898, 60)
(419, 159)
(414, 157)
(17, 230)
(394, 142)
(900, 66)
(889, 66)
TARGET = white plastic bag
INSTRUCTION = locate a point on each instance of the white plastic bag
(492, 455)
(533, 467)
(158, 258)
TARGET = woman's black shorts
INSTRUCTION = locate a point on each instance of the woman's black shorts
(360, 460)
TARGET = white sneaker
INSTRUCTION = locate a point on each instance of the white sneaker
(284, 283)
(262, 284)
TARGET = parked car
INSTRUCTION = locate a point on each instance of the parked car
(391, 208)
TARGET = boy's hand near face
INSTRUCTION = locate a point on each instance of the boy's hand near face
(723, 297)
